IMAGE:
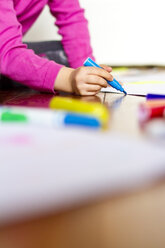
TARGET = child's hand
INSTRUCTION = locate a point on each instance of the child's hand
(86, 81)
(89, 80)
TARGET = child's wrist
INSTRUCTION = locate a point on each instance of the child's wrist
(63, 80)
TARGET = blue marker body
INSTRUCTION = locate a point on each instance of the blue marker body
(81, 120)
(115, 84)
(155, 96)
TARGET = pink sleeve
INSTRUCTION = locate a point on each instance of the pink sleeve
(16, 61)
(74, 30)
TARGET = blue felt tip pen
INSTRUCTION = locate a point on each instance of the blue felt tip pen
(115, 84)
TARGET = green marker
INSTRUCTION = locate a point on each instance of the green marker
(9, 116)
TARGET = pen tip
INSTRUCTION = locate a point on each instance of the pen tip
(124, 92)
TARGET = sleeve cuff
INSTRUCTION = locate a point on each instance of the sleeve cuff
(49, 81)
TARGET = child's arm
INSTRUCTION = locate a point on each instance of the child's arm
(73, 27)
(16, 61)
(76, 41)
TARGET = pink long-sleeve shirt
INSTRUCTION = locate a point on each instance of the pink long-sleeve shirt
(22, 64)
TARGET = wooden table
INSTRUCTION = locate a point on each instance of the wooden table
(133, 220)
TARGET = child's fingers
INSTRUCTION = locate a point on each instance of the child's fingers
(92, 79)
(93, 88)
(107, 68)
(100, 72)
(90, 93)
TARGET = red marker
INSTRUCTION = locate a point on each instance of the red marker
(146, 113)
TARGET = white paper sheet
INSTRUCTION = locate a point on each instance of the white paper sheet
(141, 83)
(41, 169)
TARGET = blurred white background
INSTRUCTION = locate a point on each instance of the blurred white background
(123, 32)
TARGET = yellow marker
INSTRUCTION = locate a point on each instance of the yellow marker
(73, 105)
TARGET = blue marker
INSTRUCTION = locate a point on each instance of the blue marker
(155, 96)
(115, 84)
